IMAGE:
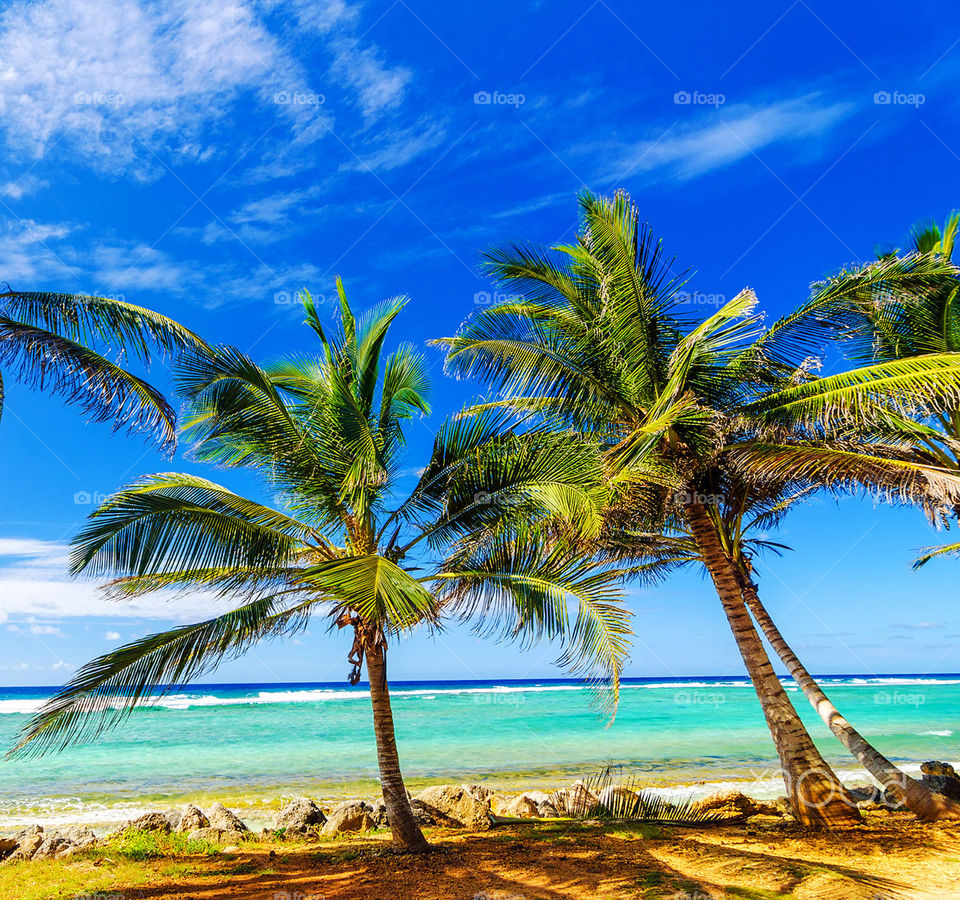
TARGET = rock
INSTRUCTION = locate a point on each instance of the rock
(576, 800)
(191, 819)
(454, 805)
(867, 796)
(217, 835)
(522, 807)
(731, 805)
(940, 777)
(354, 815)
(233, 848)
(81, 837)
(173, 817)
(28, 841)
(478, 791)
(300, 816)
(378, 812)
(222, 818)
(154, 821)
(619, 801)
(7, 846)
(54, 846)
(421, 812)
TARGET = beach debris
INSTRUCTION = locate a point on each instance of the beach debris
(455, 805)
(300, 817)
(941, 777)
(222, 818)
(353, 815)
(191, 819)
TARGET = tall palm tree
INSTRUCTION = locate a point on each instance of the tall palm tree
(489, 530)
(599, 339)
(47, 341)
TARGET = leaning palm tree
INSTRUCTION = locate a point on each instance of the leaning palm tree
(47, 341)
(598, 340)
(489, 530)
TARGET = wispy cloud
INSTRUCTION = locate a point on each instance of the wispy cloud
(919, 626)
(720, 137)
(35, 588)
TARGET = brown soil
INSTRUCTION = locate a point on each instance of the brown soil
(888, 858)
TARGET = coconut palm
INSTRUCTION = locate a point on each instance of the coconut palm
(47, 340)
(599, 339)
(902, 306)
(488, 531)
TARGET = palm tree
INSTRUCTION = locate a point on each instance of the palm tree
(489, 530)
(599, 340)
(902, 306)
(46, 338)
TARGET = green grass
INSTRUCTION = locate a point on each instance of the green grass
(140, 845)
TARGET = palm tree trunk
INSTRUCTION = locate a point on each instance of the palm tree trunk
(921, 801)
(816, 794)
(406, 831)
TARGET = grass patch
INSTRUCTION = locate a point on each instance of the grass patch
(135, 844)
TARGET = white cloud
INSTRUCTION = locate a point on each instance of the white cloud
(379, 87)
(126, 85)
(109, 79)
(59, 665)
(36, 587)
(112, 636)
(729, 134)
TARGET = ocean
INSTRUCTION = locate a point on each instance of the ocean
(252, 745)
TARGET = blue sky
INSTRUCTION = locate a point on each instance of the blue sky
(210, 158)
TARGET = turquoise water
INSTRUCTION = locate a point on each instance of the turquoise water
(253, 744)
